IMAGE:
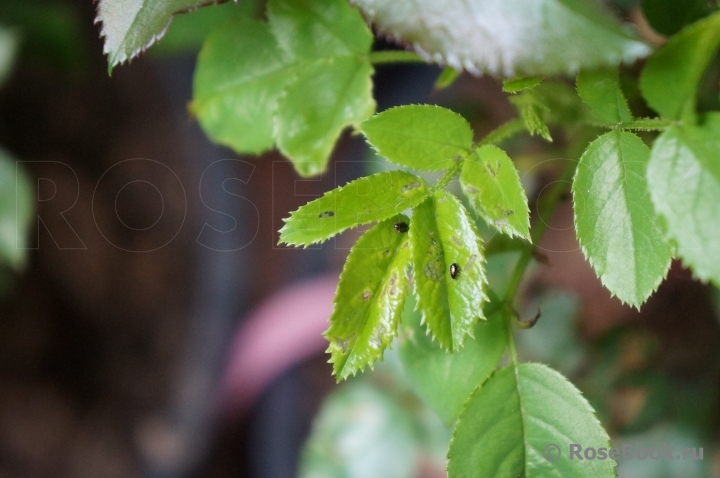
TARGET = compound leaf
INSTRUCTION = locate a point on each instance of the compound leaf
(671, 77)
(510, 424)
(448, 269)
(618, 229)
(684, 179)
(507, 37)
(445, 381)
(369, 300)
(492, 184)
(131, 26)
(423, 137)
(365, 200)
(295, 82)
(600, 90)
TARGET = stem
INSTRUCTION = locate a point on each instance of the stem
(503, 132)
(448, 176)
(545, 209)
(511, 343)
(642, 124)
(394, 56)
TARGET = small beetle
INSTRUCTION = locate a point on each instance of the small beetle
(401, 227)
(454, 270)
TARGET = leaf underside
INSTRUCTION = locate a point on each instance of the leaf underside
(507, 37)
(131, 26)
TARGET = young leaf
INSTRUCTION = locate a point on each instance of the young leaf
(492, 184)
(670, 80)
(507, 37)
(618, 229)
(531, 111)
(296, 81)
(600, 90)
(445, 381)
(15, 212)
(447, 78)
(131, 27)
(443, 239)
(422, 137)
(516, 85)
(510, 424)
(365, 200)
(369, 300)
(684, 180)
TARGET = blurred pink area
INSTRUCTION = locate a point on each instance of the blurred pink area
(283, 330)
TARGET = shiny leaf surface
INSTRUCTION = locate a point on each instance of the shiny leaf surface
(600, 90)
(422, 137)
(492, 184)
(369, 299)
(365, 200)
(443, 238)
(618, 229)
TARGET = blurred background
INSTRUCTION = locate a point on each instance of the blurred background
(150, 325)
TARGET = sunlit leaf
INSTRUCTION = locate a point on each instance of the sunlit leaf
(618, 229)
(365, 200)
(684, 180)
(423, 137)
(509, 422)
(370, 296)
(444, 243)
(492, 184)
(508, 37)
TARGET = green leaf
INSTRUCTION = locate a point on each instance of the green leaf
(492, 184)
(369, 299)
(600, 90)
(9, 43)
(188, 32)
(132, 26)
(445, 381)
(667, 18)
(323, 100)
(296, 81)
(507, 37)
(15, 212)
(684, 180)
(618, 229)
(516, 85)
(508, 422)
(443, 234)
(671, 77)
(361, 432)
(447, 78)
(365, 200)
(423, 137)
(531, 110)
